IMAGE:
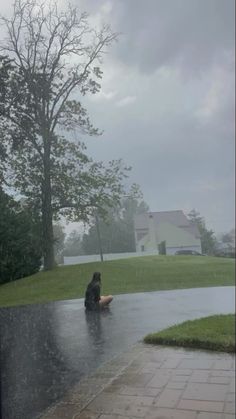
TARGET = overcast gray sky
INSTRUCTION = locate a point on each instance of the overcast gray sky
(167, 102)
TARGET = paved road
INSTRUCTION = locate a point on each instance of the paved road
(45, 349)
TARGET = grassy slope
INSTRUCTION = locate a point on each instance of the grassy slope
(120, 276)
(214, 332)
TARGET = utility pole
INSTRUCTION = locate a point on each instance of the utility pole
(99, 237)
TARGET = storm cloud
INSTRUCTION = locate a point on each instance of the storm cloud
(167, 102)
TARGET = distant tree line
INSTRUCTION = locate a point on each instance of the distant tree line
(116, 231)
(207, 237)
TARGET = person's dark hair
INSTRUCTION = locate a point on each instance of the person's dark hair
(96, 277)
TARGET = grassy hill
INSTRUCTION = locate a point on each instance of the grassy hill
(148, 273)
(215, 333)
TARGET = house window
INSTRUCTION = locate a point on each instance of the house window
(142, 248)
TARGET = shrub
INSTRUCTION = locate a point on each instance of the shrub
(20, 247)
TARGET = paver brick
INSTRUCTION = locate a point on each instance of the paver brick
(222, 373)
(232, 386)
(150, 367)
(201, 376)
(178, 385)
(197, 364)
(229, 407)
(219, 380)
(171, 363)
(132, 411)
(230, 397)
(223, 364)
(105, 403)
(102, 403)
(185, 371)
(165, 413)
(180, 378)
(134, 400)
(113, 389)
(208, 415)
(199, 405)
(134, 379)
(139, 391)
(158, 382)
(168, 398)
(201, 391)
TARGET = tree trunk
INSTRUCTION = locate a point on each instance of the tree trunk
(47, 225)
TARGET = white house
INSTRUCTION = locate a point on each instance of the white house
(169, 229)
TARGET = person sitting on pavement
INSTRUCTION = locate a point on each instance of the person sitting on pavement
(93, 299)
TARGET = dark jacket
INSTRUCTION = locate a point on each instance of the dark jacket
(92, 296)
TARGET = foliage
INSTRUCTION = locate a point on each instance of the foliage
(137, 274)
(73, 244)
(215, 332)
(59, 240)
(50, 56)
(208, 240)
(117, 230)
(227, 238)
(20, 249)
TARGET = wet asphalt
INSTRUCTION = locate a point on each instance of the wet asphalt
(46, 348)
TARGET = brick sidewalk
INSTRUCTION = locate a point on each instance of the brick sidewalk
(154, 382)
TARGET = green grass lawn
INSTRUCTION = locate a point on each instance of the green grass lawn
(148, 273)
(215, 332)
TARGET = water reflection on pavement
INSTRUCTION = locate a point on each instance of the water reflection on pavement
(47, 348)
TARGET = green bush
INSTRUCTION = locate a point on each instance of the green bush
(20, 247)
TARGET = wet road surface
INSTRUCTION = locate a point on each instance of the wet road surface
(47, 348)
